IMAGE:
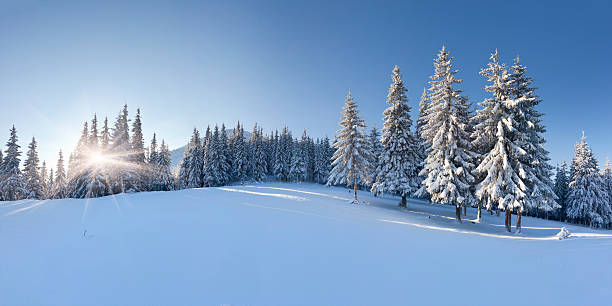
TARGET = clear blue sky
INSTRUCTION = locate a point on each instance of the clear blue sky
(279, 63)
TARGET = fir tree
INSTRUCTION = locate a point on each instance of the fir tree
(562, 189)
(33, 182)
(588, 201)
(297, 169)
(376, 148)
(59, 189)
(105, 136)
(191, 169)
(11, 178)
(397, 173)
(137, 141)
(93, 136)
(44, 180)
(351, 161)
(540, 186)
(259, 164)
(445, 129)
(504, 167)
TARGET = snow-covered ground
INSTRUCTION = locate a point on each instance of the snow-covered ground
(288, 244)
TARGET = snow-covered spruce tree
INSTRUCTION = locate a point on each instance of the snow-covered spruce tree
(376, 148)
(136, 174)
(588, 201)
(540, 195)
(44, 180)
(322, 161)
(562, 189)
(282, 161)
(59, 184)
(11, 178)
(191, 169)
(50, 185)
(422, 142)
(504, 167)
(105, 136)
(33, 183)
(78, 185)
(351, 161)
(165, 179)
(214, 171)
(119, 147)
(397, 173)
(259, 166)
(239, 155)
(225, 167)
(297, 168)
(607, 178)
(446, 130)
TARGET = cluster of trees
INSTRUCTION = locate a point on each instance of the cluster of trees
(104, 162)
(219, 159)
(584, 192)
(492, 157)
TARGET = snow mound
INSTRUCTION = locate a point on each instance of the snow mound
(563, 234)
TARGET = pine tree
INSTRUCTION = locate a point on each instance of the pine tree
(282, 161)
(11, 178)
(562, 189)
(93, 136)
(105, 136)
(50, 185)
(259, 164)
(137, 141)
(59, 190)
(397, 173)
(191, 170)
(351, 161)
(607, 179)
(376, 148)
(33, 186)
(587, 202)
(540, 186)
(239, 160)
(44, 180)
(446, 130)
(504, 167)
(225, 170)
(297, 169)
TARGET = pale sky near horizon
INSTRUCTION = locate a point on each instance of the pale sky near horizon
(194, 63)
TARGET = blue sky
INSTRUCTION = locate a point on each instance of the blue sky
(279, 63)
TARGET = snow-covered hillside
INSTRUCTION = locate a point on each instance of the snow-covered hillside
(288, 244)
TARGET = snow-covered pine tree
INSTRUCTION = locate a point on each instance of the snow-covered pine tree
(105, 136)
(562, 189)
(94, 142)
(397, 173)
(607, 179)
(119, 147)
(216, 163)
(422, 143)
(376, 148)
(192, 166)
(587, 202)
(50, 185)
(239, 157)
(137, 141)
(11, 178)
(282, 161)
(33, 183)
(44, 180)
(59, 184)
(165, 179)
(504, 167)
(297, 168)
(445, 129)
(225, 166)
(351, 161)
(259, 165)
(540, 186)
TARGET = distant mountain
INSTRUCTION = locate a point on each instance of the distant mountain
(176, 155)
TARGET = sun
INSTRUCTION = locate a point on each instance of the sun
(97, 158)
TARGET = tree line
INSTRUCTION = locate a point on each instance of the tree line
(491, 156)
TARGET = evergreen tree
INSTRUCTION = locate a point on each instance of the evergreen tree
(504, 167)
(105, 136)
(562, 189)
(297, 169)
(191, 169)
(137, 141)
(239, 153)
(11, 178)
(445, 129)
(282, 161)
(376, 148)
(540, 186)
(588, 201)
(351, 161)
(93, 136)
(50, 185)
(33, 183)
(397, 173)
(259, 164)
(44, 180)
(607, 179)
(163, 179)
(59, 190)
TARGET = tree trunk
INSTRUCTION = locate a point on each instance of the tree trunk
(518, 220)
(464, 210)
(403, 202)
(458, 212)
(479, 211)
(355, 188)
(508, 220)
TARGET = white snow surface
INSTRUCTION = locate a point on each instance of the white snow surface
(288, 244)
